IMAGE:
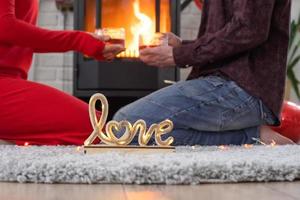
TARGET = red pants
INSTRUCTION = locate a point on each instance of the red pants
(40, 115)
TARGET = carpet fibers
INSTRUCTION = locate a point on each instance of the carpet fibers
(186, 166)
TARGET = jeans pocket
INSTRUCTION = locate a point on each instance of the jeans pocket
(243, 115)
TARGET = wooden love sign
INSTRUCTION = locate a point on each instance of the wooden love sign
(139, 127)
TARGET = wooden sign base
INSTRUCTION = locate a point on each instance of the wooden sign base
(92, 149)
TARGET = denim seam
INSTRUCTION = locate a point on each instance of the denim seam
(191, 108)
(201, 103)
(206, 92)
(262, 113)
(165, 107)
(190, 97)
(183, 110)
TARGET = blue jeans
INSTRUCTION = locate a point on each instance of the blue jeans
(206, 111)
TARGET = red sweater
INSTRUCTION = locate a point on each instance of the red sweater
(20, 38)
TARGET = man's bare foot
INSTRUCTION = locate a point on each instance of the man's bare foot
(267, 135)
(3, 142)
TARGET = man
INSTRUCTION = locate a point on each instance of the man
(238, 77)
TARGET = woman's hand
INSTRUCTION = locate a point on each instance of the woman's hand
(103, 38)
(110, 50)
(173, 39)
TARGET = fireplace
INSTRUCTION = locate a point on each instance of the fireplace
(126, 78)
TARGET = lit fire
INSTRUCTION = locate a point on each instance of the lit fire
(139, 20)
(143, 30)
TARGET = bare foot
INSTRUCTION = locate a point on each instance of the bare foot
(3, 142)
(267, 135)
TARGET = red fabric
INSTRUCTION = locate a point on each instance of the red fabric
(20, 38)
(290, 121)
(41, 115)
(31, 112)
(199, 4)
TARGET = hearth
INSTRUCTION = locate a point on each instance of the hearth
(126, 76)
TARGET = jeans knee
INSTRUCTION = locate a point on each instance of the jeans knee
(119, 115)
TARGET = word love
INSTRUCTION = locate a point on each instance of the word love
(130, 131)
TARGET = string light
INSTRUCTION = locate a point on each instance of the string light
(248, 146)
(223, 147)
(272, 144)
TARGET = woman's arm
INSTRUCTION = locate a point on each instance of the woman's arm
(248, 28)
(18, 32)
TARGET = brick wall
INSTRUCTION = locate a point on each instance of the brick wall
(56, 69)
(190, 22)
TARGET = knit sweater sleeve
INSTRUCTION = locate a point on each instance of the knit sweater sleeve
(17, 32)
(248, 28)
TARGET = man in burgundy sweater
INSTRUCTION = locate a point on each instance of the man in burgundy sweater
(238, 77)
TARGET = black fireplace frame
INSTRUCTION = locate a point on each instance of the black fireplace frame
(119, 90)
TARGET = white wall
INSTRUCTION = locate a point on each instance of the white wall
(54, 69)
(190, 22)
(294, 15)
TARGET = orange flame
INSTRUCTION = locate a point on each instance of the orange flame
(139, 19)
(143, 30)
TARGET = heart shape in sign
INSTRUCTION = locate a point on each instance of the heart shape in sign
(126, 137)
(109, 137)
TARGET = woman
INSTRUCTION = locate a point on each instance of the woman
(30, 112)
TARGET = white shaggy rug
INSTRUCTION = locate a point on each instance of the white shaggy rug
(186, 166)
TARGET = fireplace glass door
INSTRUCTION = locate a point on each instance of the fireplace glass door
(139, 18)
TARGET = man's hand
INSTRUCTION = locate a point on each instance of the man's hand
(158, 56)
(173, 39)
